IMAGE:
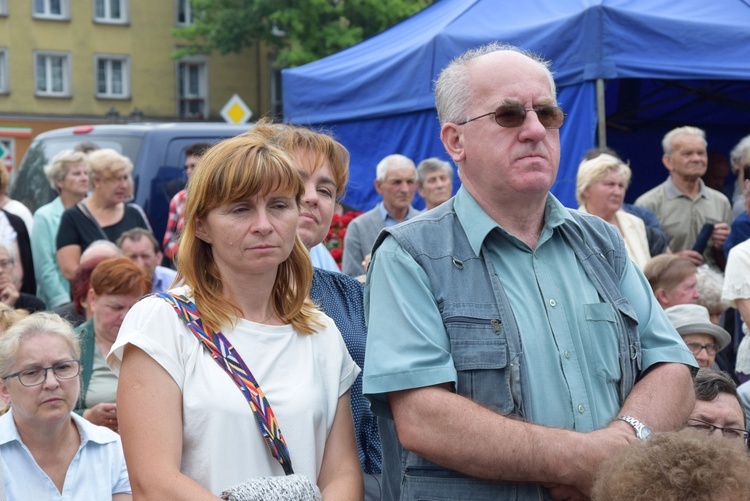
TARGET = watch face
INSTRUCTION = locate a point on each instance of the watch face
(644, 433)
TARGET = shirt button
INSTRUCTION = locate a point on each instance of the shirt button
(552, 303)
(567, 354)
(580, 409)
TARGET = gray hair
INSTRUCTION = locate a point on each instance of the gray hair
(41, 322)
(394, 161)
(710, 285)
(667, 142)
(430, 165)
(739, 152)
(453, 90)
(596, 169)
(60, 165)
(9, 247)
(100, 248)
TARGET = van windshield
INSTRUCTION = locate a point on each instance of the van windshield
(31, 187)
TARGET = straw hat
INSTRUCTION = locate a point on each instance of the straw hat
(695, 319)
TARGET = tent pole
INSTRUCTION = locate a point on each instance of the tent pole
(601, 113)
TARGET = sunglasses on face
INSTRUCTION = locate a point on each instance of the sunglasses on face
(513, 115)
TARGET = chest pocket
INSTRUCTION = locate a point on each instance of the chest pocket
(480, 355)
(602, 341)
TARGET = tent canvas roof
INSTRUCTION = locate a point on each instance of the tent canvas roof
(391, 76)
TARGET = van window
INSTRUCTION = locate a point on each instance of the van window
(30, 186)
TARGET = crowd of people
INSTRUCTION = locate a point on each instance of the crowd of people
(496, 345)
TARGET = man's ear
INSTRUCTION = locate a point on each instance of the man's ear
(453, 141)
(378, 186)
(667, 161)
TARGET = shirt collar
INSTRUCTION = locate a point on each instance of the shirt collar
(387, 217)
(87, 431)
(672, 191)
(478, 225)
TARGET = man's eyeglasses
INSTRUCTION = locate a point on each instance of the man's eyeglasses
(513, 115)
(37, 375)
(696, 348)
(6, 263)
(731, 433)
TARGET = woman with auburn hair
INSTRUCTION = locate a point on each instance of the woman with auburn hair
(323, 165)
(115, 286)
(246, 276)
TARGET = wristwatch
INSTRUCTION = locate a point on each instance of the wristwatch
(642, 431)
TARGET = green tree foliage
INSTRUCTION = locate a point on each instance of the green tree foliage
(301, 31)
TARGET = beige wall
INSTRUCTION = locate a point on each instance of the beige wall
(147, 39)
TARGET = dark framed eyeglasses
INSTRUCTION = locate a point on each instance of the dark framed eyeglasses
(67, 369)
(513, 115)
(731, 433)
(696, 348)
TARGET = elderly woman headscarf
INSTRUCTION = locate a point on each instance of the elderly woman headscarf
(600, 190)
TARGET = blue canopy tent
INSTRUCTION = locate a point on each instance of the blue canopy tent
(665, 64)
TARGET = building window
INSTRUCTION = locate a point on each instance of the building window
(52, 9)
(3, 7)
(4, 77)
(184, 12)
(193, 89)
(112, 76)
(111, 11)
(52, 74)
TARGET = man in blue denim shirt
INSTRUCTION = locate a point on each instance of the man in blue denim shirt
(511, 341)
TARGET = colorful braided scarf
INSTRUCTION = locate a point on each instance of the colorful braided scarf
(226, 356)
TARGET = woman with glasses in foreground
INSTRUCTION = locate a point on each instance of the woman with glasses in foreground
(47, 451)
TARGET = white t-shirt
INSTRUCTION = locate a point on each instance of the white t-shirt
(302, 376)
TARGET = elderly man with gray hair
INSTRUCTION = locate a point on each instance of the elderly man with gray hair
(684, 204)
(396, 181)
(435, 181)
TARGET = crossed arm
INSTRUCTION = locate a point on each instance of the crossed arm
(429, 421)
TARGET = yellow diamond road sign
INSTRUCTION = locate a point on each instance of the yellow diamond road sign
(236, 111)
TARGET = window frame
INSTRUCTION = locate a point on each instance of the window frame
(126, 76)
(107, 18)
(66, 76)
(4, 70)
(64, 14)
(188, 13)
(203, 95)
